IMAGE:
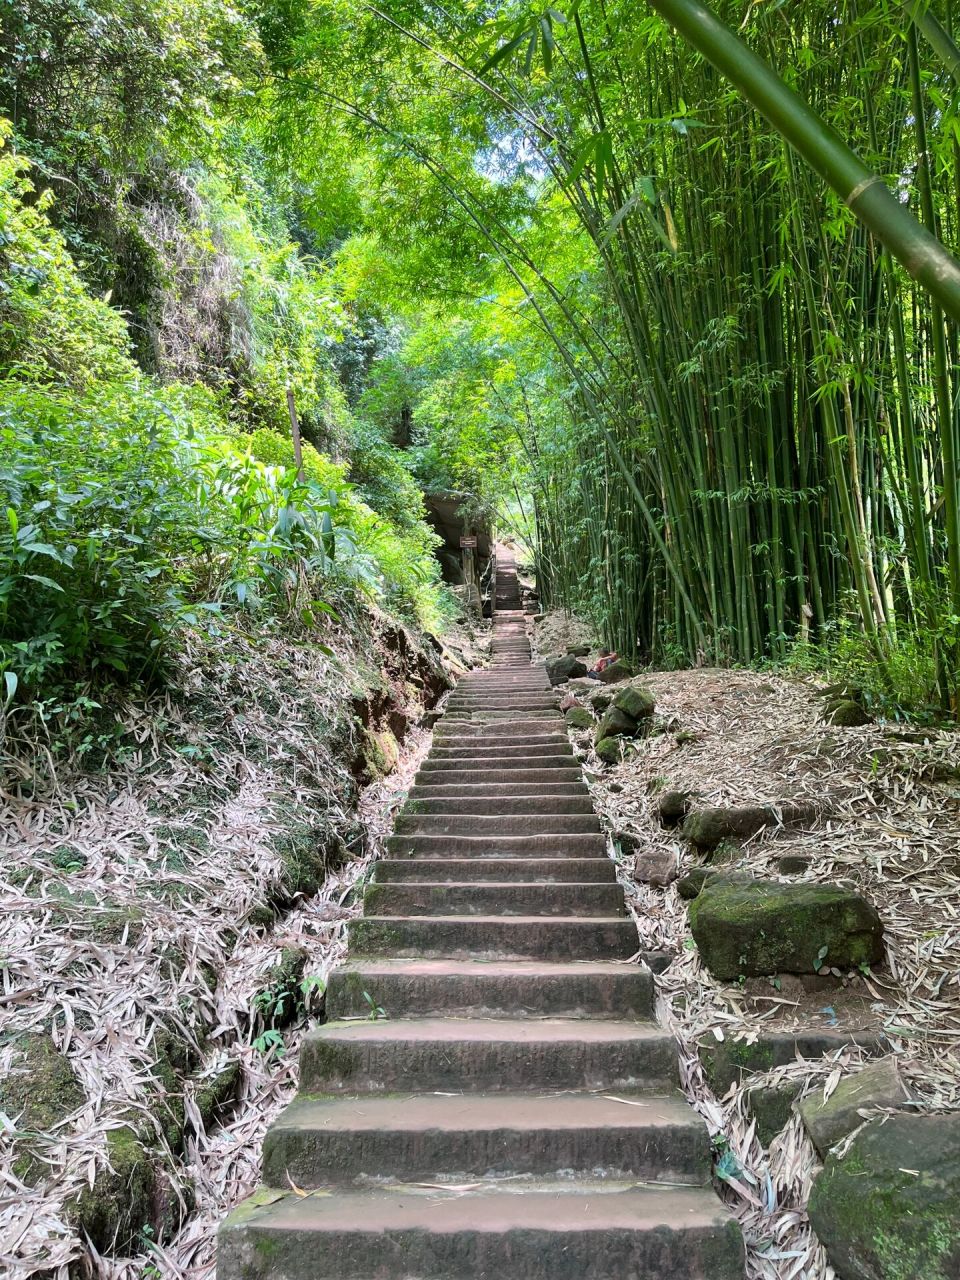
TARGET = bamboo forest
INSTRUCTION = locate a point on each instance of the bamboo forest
(479, 640)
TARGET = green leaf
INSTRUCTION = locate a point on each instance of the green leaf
(503, 53)
(11, 680)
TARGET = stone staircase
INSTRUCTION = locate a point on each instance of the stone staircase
(516, 1115)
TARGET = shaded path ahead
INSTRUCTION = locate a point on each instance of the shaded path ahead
(516, 1114)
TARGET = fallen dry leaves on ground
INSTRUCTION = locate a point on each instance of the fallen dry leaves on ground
(122, 892)
(892, 830)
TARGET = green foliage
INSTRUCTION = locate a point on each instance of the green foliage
(904, 684)
(131, 509)
(50, 325)
(124, 518)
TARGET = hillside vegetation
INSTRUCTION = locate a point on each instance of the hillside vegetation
(272, 273)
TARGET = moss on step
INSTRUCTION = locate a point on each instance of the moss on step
(133, 1193)
(40, 1091)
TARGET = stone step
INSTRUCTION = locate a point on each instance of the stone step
(424, 1055)
(508, 898)
(474, 737)
(319, 1142)
(511, 703)
(562, 1231)
(480, 870)
(487, 989)
(428, 776)
(484, 763)
(507, 689)
(506, 718)
(496, 791)
(536, 677)
(537, 846)
(485, 825)
(495, 937)
(551, 746)
(504, 805)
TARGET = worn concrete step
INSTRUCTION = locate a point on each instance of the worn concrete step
(508, 898)
(550, 747)
(321, 1141)
(480, 870)
(507, 689)
(522, 700)
(503, 805)
(565, 1231)
(473, 737)
(492, 705)
(428, 776)
(495, 937)
(501, 719)
(481, 826)
(482, 763)
(491, 989)
(486, 1055)
(538, 846)
(533, 699)
(535, 678)
(496, 791)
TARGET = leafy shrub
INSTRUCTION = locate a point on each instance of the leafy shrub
(405, 573)
(129, 509)
(51, 327)
(124, 514)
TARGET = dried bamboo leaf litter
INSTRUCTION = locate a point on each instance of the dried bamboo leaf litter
(891, 829)
(129, 906)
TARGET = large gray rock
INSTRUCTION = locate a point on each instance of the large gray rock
(616, 723)
(877, 1086)
(890, 1209)
(559, 670)
(707, 828)
(729, 1061)
(760, 927)
(634, 702)
(617, 671)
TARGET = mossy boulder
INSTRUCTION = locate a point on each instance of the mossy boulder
(616, 723)
(689, 886)
(846, 714)
(379, 754)
(174, 1059)
(636, 703)
(610, 750)
(729, 1061)
(876, 1087)
(890, 1208)
(39, 1092)
(708, 828)
(673, 808)
(567, 667)
(215, 1094)
(600, 698)
(579, 718)
(617, 671)
(771, 1106)
(132, 1193)
(762, 926)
